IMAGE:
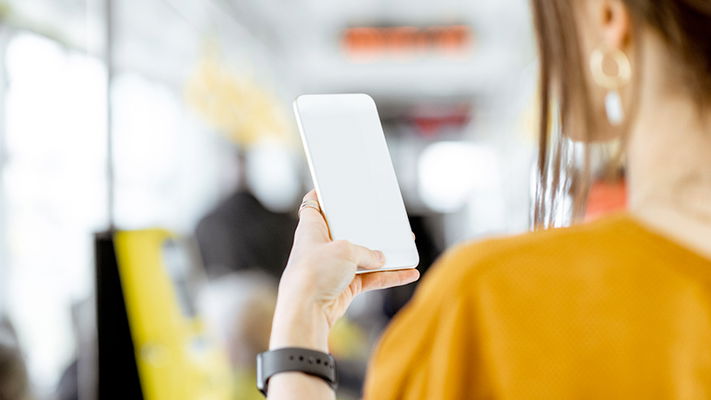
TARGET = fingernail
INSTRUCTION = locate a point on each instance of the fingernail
(381, 256)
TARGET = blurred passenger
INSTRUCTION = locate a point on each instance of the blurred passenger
(242, 234)
(68, 386)
(78, 376)
(617, 308)
(240, 307)
(14, 383)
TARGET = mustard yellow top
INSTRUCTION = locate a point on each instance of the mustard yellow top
(608, 310)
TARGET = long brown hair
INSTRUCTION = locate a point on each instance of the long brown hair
(563, 171)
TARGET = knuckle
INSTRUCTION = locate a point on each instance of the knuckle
(342, 249)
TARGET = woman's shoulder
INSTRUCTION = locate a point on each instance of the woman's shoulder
(606, 243)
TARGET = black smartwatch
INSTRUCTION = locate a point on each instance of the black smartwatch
(295, 359)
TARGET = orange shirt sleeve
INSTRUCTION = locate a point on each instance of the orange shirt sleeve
(431, 350)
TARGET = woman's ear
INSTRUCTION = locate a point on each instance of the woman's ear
(612, 20)
(605, 25)
(605, 30)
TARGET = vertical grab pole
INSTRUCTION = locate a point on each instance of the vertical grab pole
(4, 257)
(109, 62)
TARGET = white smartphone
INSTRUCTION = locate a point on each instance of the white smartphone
(354, 177)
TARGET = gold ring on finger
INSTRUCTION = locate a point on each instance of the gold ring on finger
(309, 204)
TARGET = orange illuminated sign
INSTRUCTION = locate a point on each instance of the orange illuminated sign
(374, 41)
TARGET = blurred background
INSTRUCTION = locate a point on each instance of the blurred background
(150, 170)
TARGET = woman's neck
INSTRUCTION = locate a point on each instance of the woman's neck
(670, 170)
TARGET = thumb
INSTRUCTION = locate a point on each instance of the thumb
(387, 279)
(367, 258)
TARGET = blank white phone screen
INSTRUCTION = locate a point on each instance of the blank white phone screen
(354, 176)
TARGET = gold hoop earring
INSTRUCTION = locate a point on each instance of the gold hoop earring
(613, 101)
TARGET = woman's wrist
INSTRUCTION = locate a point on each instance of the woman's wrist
(299, 323)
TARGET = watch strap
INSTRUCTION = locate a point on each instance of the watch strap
(295, 359)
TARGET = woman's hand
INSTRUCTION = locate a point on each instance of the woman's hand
(319, 283)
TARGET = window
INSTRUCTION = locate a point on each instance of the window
(54, 190)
